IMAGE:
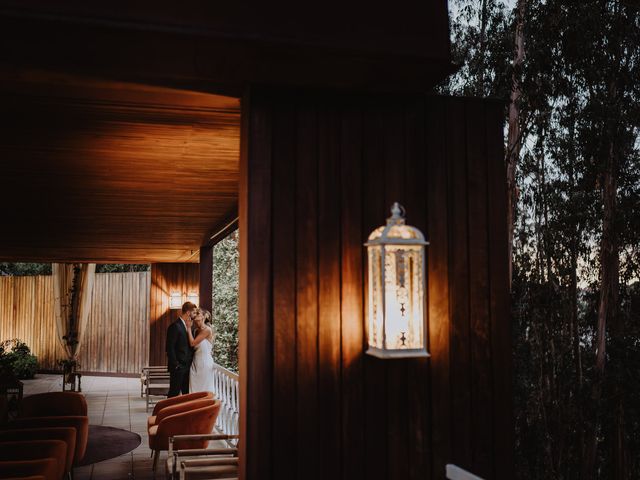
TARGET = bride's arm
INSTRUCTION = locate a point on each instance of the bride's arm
(202, 334)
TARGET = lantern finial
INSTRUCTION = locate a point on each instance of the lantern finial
(397, 214)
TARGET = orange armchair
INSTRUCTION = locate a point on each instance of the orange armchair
(30, 477)
(4, 409)
(66, 434)
(46, 468)
(181, 407)
(193, 422)
(53, 404)
(81, 425)
(36, 450)
(169, 402)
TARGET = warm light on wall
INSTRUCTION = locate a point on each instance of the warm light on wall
(175, 300)
(396, 289)
(193, 298)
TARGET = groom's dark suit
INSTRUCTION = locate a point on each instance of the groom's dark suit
(180, 356)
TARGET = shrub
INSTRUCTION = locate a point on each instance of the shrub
(25, 366)
(225, 301)
(16, 359)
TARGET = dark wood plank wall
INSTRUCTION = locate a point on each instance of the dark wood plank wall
(318, 173)
(166, 277)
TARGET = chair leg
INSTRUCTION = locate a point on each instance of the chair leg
(156, 454)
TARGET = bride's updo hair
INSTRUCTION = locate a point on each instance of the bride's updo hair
(206, 314)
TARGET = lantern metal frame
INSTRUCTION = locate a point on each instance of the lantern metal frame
(381, 238)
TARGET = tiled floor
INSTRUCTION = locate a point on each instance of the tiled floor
(114, 402)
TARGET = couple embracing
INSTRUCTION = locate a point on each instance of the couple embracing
(189, 347)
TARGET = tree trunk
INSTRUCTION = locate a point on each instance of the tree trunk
(575, 238)
(609, 262)
(609, 287)
(513, 139)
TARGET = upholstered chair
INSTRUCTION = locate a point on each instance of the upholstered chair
(4, 409)
(169, 402)
(193, 422)
(66, 434)
(81, 425)
(36, 450)
(44, 468)
(181, 407)
(53, 404)
(30, 477)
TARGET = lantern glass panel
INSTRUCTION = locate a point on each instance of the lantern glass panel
(403, 297)
(376, 302)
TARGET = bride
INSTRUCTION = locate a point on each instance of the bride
(201, 374)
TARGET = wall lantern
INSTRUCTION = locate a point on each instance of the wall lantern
(175, 300)
(396, 289)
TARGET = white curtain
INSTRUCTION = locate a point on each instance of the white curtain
(72, 308)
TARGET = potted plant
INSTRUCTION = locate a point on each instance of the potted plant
(69, 368)
(17, 360)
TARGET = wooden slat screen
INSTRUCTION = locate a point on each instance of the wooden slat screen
(117, 337)
(318, 174)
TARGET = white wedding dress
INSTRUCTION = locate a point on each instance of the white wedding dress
(201, 374)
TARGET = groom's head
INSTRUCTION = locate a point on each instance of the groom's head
(188, 309)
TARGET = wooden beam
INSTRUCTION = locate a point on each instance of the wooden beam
(222, 229)
(198, 44)
(206, 278)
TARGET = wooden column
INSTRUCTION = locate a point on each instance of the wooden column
(318, 173)
(206, 278)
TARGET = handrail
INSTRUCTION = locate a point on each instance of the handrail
(226, 386)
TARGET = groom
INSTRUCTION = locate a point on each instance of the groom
(179, 351)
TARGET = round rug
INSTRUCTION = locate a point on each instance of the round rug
(108, 442)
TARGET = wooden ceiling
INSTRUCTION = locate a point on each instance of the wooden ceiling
(130, 151)
(103, 171)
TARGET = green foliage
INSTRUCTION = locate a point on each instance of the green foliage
(16, 360)
(122, 268)
(24, 269)
(579, 111)
(481, 46)
(225, 301)
(24, 367)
